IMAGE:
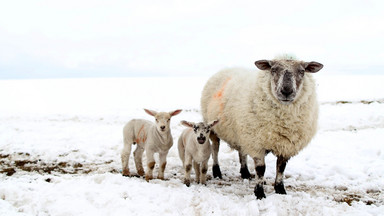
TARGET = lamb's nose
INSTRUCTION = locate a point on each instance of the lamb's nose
(162, 127)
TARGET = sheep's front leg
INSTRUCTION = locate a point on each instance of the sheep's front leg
(188, 167)
(196, 166)
(204, 169)
(150, 164)
(125, 153)
(163, 164)
(244, 167)
(215, 151)
(280, 167)
(260, 170)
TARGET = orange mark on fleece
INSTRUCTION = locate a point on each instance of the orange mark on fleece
(219, 94)
(143, 137)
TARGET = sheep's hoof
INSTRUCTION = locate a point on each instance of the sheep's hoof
(187, 182)
(245, 173)
(216, 171)
(126, 172)
(259, 192)
(141, 172)
(160, 177)
(279, 188)
(147, 178)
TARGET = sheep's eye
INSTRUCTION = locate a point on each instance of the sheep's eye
(301, 71)
(273, 70)
(157, 120)
(195, 128)
(169, 120)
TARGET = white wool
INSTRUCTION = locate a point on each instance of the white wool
(252, 120)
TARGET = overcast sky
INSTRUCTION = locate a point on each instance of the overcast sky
(92, 38)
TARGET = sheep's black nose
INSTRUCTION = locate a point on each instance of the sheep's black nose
(286, 91)
(162, 127)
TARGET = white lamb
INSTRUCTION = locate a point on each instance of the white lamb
(153, 138)
(273, 110)
(194, 146)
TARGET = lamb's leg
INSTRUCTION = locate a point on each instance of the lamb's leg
(125, 153)
(163, 164)
(150, 164)
(280, 167)
(204, 168)
(181, 149)
(244, 167)
(196, 166)
(215, 151)
(260, 170)
(188, 167)
(138, 155)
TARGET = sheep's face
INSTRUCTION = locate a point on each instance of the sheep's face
(163, 119)
(201, 130)
(287, 77)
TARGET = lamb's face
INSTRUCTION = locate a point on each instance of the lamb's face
(163, 120)
(201, 130)
(287, 77)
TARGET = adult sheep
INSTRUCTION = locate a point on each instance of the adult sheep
(272, 110)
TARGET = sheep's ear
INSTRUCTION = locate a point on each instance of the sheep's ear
(213, 123)
(263, 64)
(187, 124)
(150, 112)
(173, 113)
(312, 67)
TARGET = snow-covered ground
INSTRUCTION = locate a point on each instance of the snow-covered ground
(60, 143)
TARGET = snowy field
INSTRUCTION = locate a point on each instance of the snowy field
(60, 143)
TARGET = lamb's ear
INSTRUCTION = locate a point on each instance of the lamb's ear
(213, 123)
(150, 112)
(187, 124)
(263, 64)
(173, 113)
(312, 67)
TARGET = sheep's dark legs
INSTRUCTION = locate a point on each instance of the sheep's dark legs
(260, 170)
(244, 167)
(280, 167)
(215, 151)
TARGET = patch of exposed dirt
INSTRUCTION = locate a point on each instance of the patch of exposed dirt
(380, 101)
(11, 164)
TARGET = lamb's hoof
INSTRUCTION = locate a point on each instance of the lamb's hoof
(187, 182)
(279, 188)
(245, 173)
(160, 177)
(147, 178)
(259, 192)
(141, 172)
(216, 171)
(126, 173)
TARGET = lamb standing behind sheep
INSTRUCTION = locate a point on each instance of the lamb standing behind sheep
(194, 146)
(273, 110)
(153, 138)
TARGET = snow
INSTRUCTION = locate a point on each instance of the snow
(60, 143)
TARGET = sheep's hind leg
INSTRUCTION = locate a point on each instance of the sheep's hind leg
(244, 167)
(125, 153)
(280, 167)
(138, 154)
(215, 151)
(260, 170)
